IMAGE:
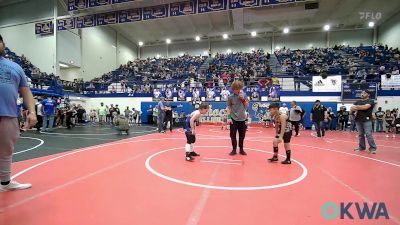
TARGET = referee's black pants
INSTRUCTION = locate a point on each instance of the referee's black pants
(296, 125)
(237, 127)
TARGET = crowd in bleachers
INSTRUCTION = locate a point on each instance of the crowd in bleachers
(312, 62)
(356, 64)
(36, 78)
(380, 59)
(142, 76)
(138, 76)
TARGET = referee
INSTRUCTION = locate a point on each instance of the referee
(236, 110)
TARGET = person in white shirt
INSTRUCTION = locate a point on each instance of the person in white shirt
(395, 71)
(284, 109)
(224, 94)
(39, 114)
(295, 116)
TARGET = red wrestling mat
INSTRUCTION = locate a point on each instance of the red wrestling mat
(146, 180)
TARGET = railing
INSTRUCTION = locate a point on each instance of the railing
(286, 82)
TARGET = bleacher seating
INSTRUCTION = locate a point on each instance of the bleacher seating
(41, 83)
(141, 76)
(293, 67)
(355, 64)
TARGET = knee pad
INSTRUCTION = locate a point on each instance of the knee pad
(191, 139)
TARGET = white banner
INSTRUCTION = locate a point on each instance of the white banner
(329, 84)
(392, 82)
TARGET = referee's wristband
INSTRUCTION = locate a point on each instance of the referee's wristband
(229, 116)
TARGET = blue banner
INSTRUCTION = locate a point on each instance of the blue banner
(237, 4)
(77, 5)
(182, 8)
(215, 114)
(107, 18)
(66, 24)
(257, 110)
(155, 12)
(86, 21)
(44, 28)
(121, 1)
(353, 91)
(131, 15)
(177, 107)
(96, 3)
(275, 2)
(205, 6)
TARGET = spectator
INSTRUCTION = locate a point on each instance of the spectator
(39, 113)
(102, 113)
(161, 115)
(127, 112)
(362, 109)
(14, 82)
(319, 117)
(295, 116)
(379, 119)
(48, 111)
(122, 124)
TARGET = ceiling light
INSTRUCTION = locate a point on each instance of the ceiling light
(197, 38)
(141, 43)
(63, 65)
(371, 24)
(225, 36)
(285, 30)
(168, 41)
(327, 27)
(229, 51)
(254, 33)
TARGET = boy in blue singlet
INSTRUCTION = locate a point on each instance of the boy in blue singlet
(190, 130)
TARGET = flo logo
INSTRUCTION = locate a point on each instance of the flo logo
(370, 15)
(356, 210)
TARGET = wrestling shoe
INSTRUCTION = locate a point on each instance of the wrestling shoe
(273, 159)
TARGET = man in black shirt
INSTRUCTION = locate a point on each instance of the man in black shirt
(379, 119)
(168, 116)
(343, 116)
(362, 110)
(319, 117)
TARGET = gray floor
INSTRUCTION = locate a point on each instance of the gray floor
(63, 140)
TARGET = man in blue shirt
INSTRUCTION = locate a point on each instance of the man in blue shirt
(48, 110)
(12, 81)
